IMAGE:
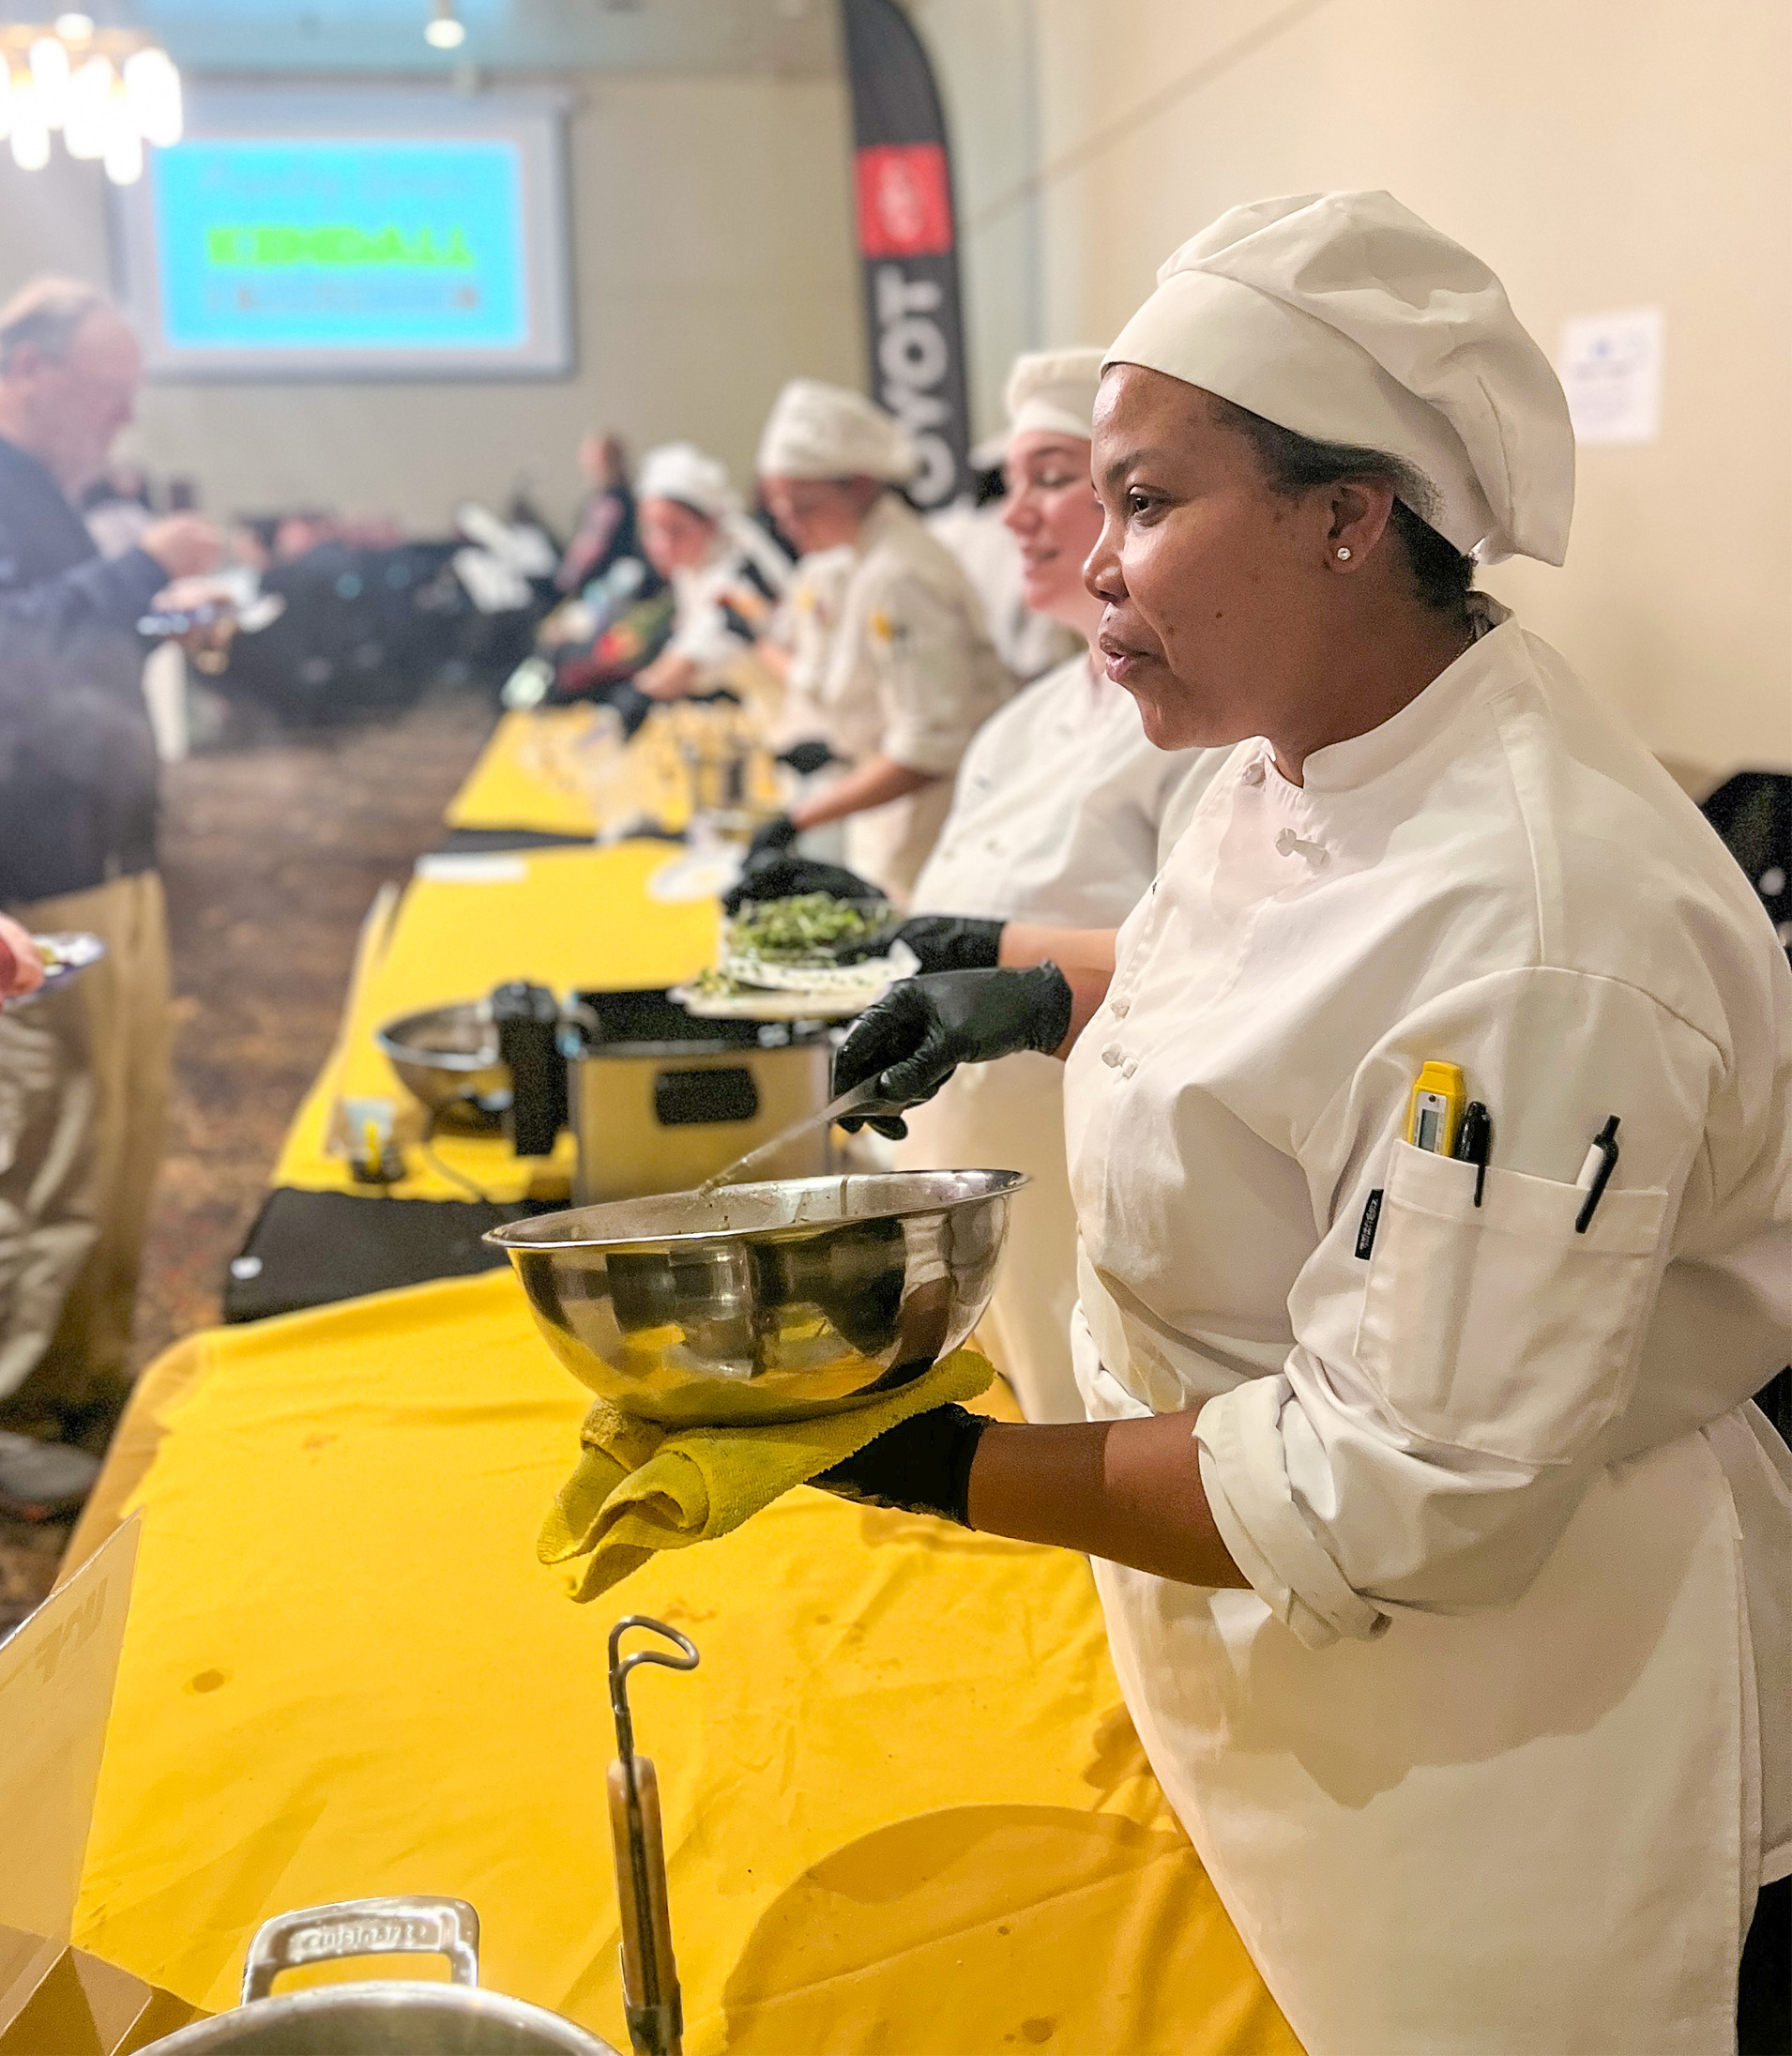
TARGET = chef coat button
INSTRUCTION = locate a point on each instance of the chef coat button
(1113, 1055)
(1121, 1009)
(1290, 844)
(1129, 1067)
(1253, 772)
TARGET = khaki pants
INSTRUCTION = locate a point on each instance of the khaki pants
(83, 1099)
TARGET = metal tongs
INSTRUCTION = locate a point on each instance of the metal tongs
(650, 1997)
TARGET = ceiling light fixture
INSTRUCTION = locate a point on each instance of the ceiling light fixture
(109, 91)
(444, 30)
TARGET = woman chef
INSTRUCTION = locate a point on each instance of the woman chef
(1447, 1569)
(725, 572)
(907, 674)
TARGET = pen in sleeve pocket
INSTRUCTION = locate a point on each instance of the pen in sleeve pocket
(1596, 1172)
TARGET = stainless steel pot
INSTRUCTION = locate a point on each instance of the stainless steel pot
(386, 2017)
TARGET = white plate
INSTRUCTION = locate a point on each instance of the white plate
(832, 995)
(769, 1006)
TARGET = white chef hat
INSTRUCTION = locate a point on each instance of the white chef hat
(1348, 319)
(825, 432)
(681, 472)
(1054, 389)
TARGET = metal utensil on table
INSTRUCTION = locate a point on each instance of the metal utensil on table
(824, 1117)
(379, 2017)
(651, 1995)
(775, 1301)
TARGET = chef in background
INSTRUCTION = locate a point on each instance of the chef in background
(1431, 1138)
(725, 572)
(974, 530)
(905, 672)
(1062, 808)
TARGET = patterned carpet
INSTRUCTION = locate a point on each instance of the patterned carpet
(271, 854)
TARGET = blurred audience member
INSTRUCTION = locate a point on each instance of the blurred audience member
(82, 1074)
(606, 526)
(725, 572)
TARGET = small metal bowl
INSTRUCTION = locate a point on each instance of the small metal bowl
(447, 1057)
(772, 1302)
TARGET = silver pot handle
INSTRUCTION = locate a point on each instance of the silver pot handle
(415, 1925)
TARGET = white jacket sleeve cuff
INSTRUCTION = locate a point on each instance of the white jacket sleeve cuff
(1239, 1436)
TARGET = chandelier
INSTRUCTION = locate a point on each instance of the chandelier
(109, 91)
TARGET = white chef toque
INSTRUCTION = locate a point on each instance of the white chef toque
(1054, 389)
(825, 432)
(681, 472)
(1348, 319)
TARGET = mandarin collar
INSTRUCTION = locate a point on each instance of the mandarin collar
(1345, 766)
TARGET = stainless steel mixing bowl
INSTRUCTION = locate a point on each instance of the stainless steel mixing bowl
(448, 1058)
(773, 1302)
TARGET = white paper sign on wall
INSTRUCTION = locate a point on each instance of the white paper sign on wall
(1611, 368)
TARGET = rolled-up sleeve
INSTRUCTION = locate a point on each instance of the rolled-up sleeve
(1456, 1375)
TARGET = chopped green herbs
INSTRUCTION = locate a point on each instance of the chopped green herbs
(812, 928)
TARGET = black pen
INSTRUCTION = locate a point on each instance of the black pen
(1474, 1138)
(1596, 1172)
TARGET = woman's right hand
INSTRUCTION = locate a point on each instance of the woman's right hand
(916, 1035)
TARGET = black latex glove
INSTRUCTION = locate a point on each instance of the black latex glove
(916, 1035)
(807, 758)
(776, 834)
(920, 1465)
(775, 876)
(952, 942)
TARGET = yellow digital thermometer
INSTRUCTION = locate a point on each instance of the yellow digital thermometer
(1437, 1108)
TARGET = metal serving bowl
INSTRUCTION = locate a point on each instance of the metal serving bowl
(773, 1302)
(448, 1058)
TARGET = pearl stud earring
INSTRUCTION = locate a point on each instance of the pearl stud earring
(1343, 556)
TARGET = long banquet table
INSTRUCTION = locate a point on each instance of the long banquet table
(905, 1810)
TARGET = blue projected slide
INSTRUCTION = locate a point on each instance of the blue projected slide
(338, 245)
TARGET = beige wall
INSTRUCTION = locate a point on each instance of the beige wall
(712, 259)
(1600, 154)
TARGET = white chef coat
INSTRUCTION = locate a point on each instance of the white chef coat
(729, 579)
(1492, 1756)
(1061, 809)
(907, 671)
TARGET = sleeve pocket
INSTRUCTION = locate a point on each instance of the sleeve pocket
(1497, 1328)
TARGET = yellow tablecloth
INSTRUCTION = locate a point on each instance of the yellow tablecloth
(564, 918)
(538, 768)
(904, 1809)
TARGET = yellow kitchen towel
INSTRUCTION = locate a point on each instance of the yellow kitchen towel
(641, 1487)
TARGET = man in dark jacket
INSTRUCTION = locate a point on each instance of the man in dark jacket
(83, 1074)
